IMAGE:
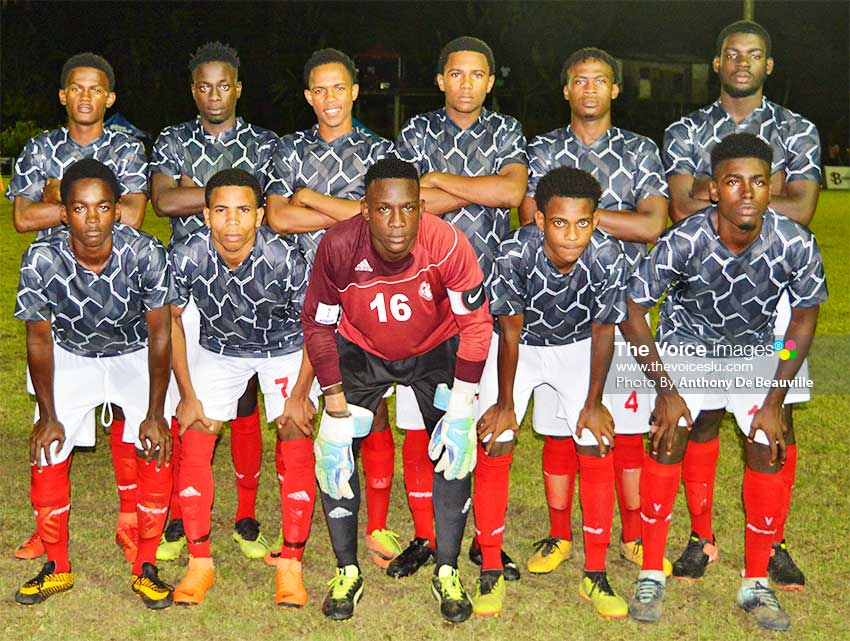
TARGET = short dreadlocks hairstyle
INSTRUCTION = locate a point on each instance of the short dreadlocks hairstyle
(740, 146)
(214, 52)
(87, 59)
(589, 53)
(327, 56)
(466, 43)
(233, 178)
(88, 168)
(744, 26)
(567, 182)
(390, 168)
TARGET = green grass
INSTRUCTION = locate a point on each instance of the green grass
(101, 606)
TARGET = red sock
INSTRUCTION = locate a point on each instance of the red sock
(246, 449)
(658, 486)
(151, 510)
(197, 490)
(296, 472)
(490, 502)
(50, 495)
(418, 479)
(560, 466)
(764, 498)
(596, 493)
(789, 474)
(124, 464)
(377, 451)
(628, 459)
(699, 467)
(176, 453)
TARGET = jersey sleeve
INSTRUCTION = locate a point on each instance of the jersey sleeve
(281, 170)
(609, 288)
(803, 153)
(658, 269)
(296, 279)
(539, 162)
(181, 273)
(157, 282)
(165, 158)
(31, 304)
(512, 146)
(28, 176)
(408, 147)
(133, 169)
(807, 288)
(508, 288)
(678, 150)
(650, 172)
(265, 152)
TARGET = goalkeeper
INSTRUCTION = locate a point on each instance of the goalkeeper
(405, 291)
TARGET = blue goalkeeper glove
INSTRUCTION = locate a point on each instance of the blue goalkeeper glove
(332, 448)
(453, 444)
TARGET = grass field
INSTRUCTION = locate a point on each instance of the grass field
(102, 607)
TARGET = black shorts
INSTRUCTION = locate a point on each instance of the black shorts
(366, 377)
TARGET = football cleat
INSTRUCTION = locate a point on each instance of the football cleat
(172, 542)
(384, 547)
(156, 594)
(200, 577)
(246, 533)
(698, 555)
(510, 570)
(489, 594)
(414, 556)
(44, 584)
(446, 587)
(782, 571)
(273, 554)
(647, 604)
(345, 591)
(32, 548)
(127, 538)
(760, 601)
(289, 590)
(549, 554)
(632, 551)
(594, 588)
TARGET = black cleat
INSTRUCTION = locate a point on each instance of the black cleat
(698, 555)
(455, 606)
(156, 594)
(345, 591)
(510, 570)
(782, 571)
(44, 584)
(414, 556)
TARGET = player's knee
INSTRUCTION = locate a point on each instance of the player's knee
(381, 421)
(290, 433)
(215, 428)
(706, 426)
(504, 444)
(758, 458)
(247, 404)
(117, 412)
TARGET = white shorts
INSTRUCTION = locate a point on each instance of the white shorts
(630, 407)
(780, 326)
(81, 383)
(191, 318)
(219, 382)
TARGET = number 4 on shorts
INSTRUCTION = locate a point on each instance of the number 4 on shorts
(631, 402)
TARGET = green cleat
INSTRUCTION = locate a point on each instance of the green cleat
(608, 604)
(448, 590)
(172, 542)
(384, 547)
(345, 591)
(251, 542)
(489, 594)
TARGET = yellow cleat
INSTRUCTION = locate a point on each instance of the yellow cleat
(44, 584)
(633, 551)
(156, 594)
(384, 547)
(608, 603)
(200, 577)
(489, 595)
(550, 553)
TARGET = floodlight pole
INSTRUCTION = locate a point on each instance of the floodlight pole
(749, 9)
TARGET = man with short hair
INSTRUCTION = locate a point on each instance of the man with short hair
(95, 298)
(315, 180)
(185, 157)
(743, 61)
(722, 271)
(406, 294)
(472, 164)
(87, 90)
(633, 209)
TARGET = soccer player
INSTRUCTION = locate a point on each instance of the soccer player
(472, 164)
(723, 270)
(406, 293)
(316, 180)
(87, 90)
(185, 157)
(743, 61)
(557, 292)
(248, 284)
(95, 298)
(633, 209)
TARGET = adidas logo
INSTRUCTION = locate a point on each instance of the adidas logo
(338, 513)
(189, 491)
(363, 266)
(301, 495)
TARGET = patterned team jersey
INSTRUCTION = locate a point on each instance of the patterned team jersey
(559, 308)
(92, 314)
(794, 139)
(186, 149)
(626, 165)
(433, 142)
(396, 310)
(717, 297)
(49, 155)
(337, 168)
(251, 311)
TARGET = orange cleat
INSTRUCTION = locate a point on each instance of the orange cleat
(199, 578)
(32, 548)
(127, 538)
(289, 590)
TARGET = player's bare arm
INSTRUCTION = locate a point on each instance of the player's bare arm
(29, 215)
(133, 209)
(506, 189)
(154, 434)
(190, 411)
(594, 416)
(688, 195)
(48, 429)
(337, 208)
(439, 202)
(797, 200)
(287, 218)
(175, 199)
(642, 225)
(298, 411)
(501, 417)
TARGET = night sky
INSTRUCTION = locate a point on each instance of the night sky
(149, 44)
